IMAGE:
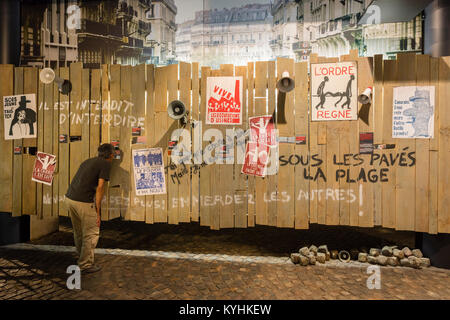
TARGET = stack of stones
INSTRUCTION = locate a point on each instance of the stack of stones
(311, 255)
(392, 256)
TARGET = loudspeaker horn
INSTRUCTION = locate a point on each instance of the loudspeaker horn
(286, 83)
(177, 111)
(366, 96)
(47, 76)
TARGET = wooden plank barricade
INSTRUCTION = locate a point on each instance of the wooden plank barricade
(106, 104)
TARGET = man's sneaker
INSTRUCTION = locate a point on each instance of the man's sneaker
(91, 269)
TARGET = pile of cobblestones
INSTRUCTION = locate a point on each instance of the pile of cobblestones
(386, 256)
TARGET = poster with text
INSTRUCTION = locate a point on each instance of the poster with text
(413, 114)
(262, 130)
(44, 167)
(224, 100)
(256, 159)
(149, 175)
(20, 116)
(334, 91)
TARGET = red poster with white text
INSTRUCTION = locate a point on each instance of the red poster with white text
(44, 167)
(224, 102)
(262, 130)
(256, 159)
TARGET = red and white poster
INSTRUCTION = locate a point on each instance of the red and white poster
(44, 167)
(334, 91)
(256, 159)
(224, 100)
(262, 130)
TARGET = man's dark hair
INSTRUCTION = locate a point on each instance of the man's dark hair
(105, 151)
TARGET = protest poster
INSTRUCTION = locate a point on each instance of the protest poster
(44, 167)
(20, 116)
(256, 159)
(366, 143)
(413, 113)
(334, 91)
(262, 130)
(149, 175)
(224, 104)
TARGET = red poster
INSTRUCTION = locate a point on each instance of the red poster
(262, 131)
(256, 159)
(44, 167)
(224, 104)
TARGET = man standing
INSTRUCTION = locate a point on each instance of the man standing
(83, 199)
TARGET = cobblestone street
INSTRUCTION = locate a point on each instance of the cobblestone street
(191, 262)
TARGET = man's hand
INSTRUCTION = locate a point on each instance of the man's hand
(98, 220)
(98, 199)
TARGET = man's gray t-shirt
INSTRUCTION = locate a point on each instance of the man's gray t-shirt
(85, 182)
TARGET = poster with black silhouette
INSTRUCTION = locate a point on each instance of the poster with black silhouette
(20, 116)
(334, 91)
(44, 167)
(413, 113)
(149, 175)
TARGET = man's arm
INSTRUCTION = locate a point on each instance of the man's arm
(98, 197)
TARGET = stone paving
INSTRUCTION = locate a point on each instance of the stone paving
(38, 274)
(190, 262)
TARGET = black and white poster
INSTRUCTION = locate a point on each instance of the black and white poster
(20, 116)
(149, 174)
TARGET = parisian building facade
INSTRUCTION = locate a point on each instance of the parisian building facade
(229, 36)
(162, 38)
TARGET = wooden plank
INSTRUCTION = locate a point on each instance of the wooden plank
(105, 136)
(301, 129)
(251, 205)
(40, 145)
(377, 106)
(261, 69)
(444, 146)
(173, 187)
(150, 132)
(405, 177)
(161, 138)
(240, 180)
(205, 173)
(285, 190)
(215, 188)
(226, 189)
(64, 158)
(95, 126)
(314, 151)
(114, 191)
(6, 156)
(29, 197)
(366, 204)
(105, 103)
(55, 148)
(434, 153)
(18, 159)
(48, 144)
(125, 141)
(271, 179)
(137, 204)
(422, 166)
(184, 201)
(196, 145)
(388, 203)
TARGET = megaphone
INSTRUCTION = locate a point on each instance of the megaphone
(177, 111)
(366, 96)
(47, 76)
(286, 83)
